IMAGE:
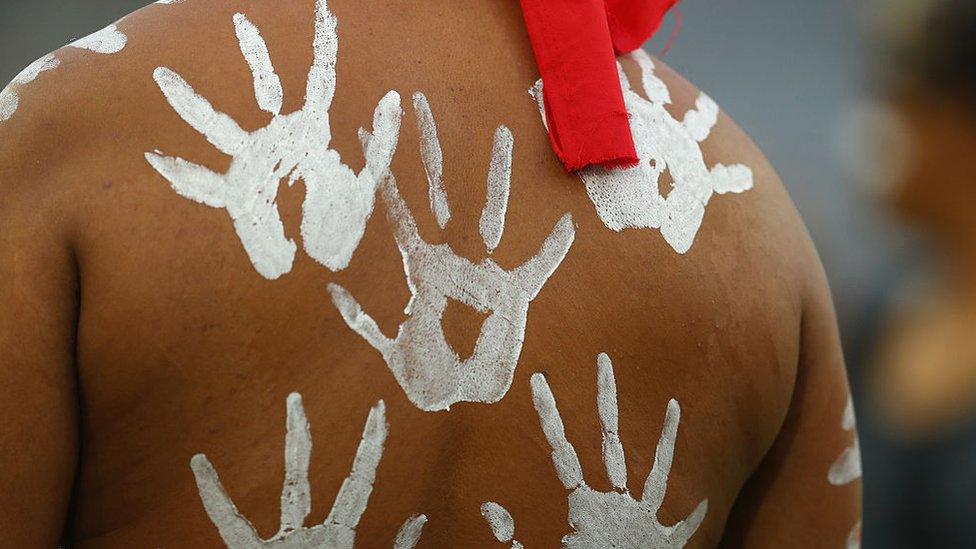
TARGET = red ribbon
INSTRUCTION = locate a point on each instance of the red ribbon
(576, 43)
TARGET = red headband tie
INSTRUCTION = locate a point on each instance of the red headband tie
(575, 44)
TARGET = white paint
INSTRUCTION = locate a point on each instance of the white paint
(492, 223)
(430, 372)
(9, 101)
(267, 85)
(615, 518)
(338, 203)
(854, 537)
(106, 41)
(9, 98)
(613, 450)
(631, 198)
(432, 158)
(847, 467)
(501, 523)
(339, 528)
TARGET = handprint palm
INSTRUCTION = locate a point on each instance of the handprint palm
(631, 198)
(614, 519)
(295, 146)
(431, 373)
(339, 529)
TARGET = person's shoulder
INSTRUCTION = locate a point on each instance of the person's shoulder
(66, 116)
(61, 103)
(737, 210)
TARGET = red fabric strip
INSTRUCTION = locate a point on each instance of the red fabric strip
(575, 44)
(634, 22)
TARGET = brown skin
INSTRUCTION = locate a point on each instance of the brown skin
(137, 313)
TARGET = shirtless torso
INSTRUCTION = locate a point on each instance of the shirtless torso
(156, 309)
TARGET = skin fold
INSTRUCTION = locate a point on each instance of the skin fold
(136, 333)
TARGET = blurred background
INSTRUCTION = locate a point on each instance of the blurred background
(866, 109)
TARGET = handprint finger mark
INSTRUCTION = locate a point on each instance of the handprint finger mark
(410, 532)
(656, 485)
(492, 223)
(296, 501)
(429, 370)
(320, 88)
(219, 129)
(234, 529)
(338, 531)
(354, 493)
(615, 518)
(501, 523)
(338, 202)
(267, 85)
(564, 456)
(190, 180)
(432, 158)
(613, 450)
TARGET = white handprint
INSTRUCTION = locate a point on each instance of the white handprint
(430, 372)
(614, 519)
(631, 198)
(295, 146)
(339, 529)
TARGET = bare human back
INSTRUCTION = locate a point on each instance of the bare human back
(307, 274)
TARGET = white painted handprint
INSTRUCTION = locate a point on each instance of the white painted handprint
(615, 518)
(631, 198)
(430, 372)
(106, 41)
(338, 203)
(339, 529)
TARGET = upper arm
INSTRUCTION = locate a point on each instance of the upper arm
(38, 289)
(809, 482)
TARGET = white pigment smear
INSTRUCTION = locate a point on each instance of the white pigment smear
(631, 198)
(432, 158)
(431, 373)
(847, 467)
(338, 203)
(338, 531)
(9, 98)
(615, 518)
(106, 41)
